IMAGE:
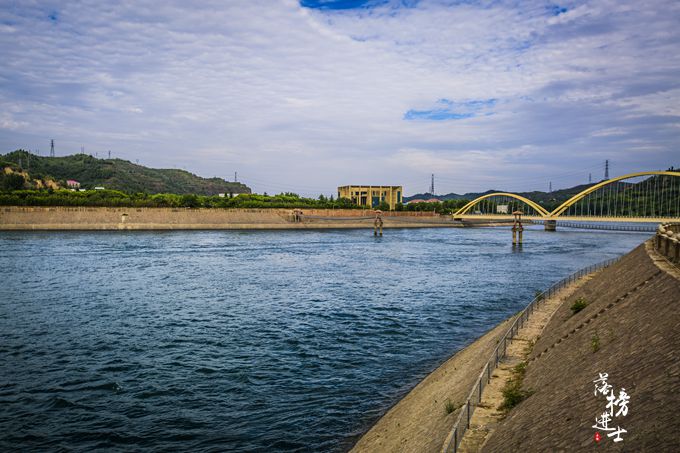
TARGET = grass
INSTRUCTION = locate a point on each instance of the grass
(595, 342)
(529, 347)
(578, 305)
(512, 392)
(449, 407)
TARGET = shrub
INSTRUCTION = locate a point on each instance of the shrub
(578, 305)
(595, 342)
(512, 392)
(449, 407)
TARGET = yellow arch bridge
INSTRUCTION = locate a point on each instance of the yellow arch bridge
(648, 196)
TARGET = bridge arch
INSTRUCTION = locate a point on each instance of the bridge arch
(534, 205)
(579, 196)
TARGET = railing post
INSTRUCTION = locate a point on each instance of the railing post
(468, 414)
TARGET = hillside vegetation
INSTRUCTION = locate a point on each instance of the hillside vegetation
(548, 200)
(115, 174)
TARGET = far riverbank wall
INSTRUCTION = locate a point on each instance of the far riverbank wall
(113, 218)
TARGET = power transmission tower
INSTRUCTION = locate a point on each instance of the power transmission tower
(235, 176)
(52, 148)
(109, 154)
(590, 178)
(432, 185)
(550, 187)
(606, 169)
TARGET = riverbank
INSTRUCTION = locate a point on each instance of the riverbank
(627, 329)
(104, 218)
(423, 420)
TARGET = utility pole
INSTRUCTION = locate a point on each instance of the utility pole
(52, 148)
(606, 169)
(432, 185)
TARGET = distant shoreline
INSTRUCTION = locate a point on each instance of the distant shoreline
(23, 218)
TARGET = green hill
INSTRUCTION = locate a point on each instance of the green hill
(118, 174)
(548, 200)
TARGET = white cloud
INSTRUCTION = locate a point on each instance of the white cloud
(312, 99)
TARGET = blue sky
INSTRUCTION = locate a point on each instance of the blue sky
(306, 96)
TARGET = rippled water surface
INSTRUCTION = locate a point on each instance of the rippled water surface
(243, 341)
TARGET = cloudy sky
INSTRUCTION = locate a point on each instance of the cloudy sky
(306, 95)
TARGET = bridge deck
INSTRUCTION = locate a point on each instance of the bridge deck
(570, 218)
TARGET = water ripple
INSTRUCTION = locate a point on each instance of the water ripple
(247, 341)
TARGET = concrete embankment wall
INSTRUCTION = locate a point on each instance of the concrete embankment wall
(98, 218)
(630, 329)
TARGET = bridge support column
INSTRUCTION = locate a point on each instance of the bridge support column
(550, 225)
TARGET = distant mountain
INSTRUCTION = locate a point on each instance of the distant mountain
(119, 174)
(427, 196)
(546, 199)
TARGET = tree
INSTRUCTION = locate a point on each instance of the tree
(190, 201)
(383, 206)
(12, 181)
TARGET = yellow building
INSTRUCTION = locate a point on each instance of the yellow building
(371, 196)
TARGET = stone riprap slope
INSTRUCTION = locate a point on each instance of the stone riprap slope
(420, 422)
(630, 329)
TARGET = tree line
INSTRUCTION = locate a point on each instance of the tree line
(115, 198)
(11, 196)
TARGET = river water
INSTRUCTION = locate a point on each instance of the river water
(248, 341)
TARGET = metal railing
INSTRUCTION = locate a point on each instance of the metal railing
(475, 397)
(610, 227)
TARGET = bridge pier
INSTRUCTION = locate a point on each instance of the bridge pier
(550, 225)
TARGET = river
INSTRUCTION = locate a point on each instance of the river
(248, 341)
